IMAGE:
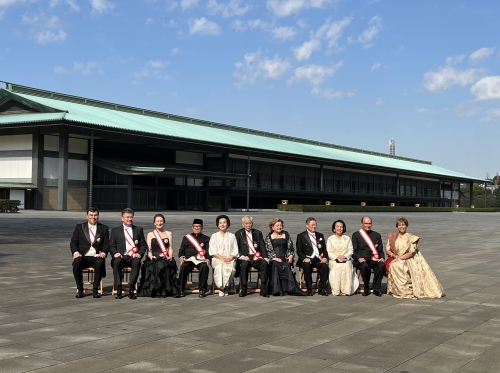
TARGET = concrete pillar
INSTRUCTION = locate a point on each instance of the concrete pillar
(37, 169)
(62, 182)
(471, 199)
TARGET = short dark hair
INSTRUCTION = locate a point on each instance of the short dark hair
(93, 209)
(308, 220)
(363, 218)
(127, 210)
(159, 216)
(222, 217)
(339, 221)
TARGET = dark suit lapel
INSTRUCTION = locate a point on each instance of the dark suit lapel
(308, 239)
(85, 228)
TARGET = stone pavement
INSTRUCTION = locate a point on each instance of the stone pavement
(43, 328)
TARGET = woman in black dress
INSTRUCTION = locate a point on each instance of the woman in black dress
(280, 251)
(159, 271)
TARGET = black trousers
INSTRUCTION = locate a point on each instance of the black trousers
(187, 267)
(84, 262)
(126, 261)
(378, 273)
(322, 269)
(260, 265)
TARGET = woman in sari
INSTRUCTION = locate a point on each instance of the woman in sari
(343, 279)
(158, 273)
(408, 274)
(224, 249)
(280, 252)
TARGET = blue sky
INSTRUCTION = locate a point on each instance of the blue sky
(352, 73)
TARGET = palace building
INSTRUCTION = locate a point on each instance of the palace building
(62, 152)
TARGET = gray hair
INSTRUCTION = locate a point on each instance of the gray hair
(310, 220)
(245, 218)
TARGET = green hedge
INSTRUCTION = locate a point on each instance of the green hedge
(351, 208)
(9, 205)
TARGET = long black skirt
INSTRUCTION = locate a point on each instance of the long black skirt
(283, 280)
(158, 275)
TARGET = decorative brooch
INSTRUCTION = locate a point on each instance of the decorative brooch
(136, 242)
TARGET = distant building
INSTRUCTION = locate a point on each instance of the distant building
(62, 152)
(392, 147)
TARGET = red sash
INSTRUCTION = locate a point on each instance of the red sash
(193, 241)
(255, 253)
(163, 247)
(313, 241)
(134, 248)
(92, 236)
(370, 244)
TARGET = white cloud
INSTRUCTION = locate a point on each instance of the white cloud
(379, 102)
(332, 31)
(284, 32)
(4, 4)
(203, 26)
(367, 36)
(490, 115)
(229, 9)
(188, 4)
(153, 68)
(447, 76)
(304, 51)
(250, 24)
(44, 29)
(375, 67)
(48, 36)
(314, 74)
(423, 110)
(455, 60)
(462, 111)
(71, 3)
(83, 68)
(149, 21)
(174, 51)
(254, 66)
(328, 93)
(487, 88)
(101, 6)
(283, 8)
(480, 55)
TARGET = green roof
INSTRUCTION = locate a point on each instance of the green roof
(108, 115)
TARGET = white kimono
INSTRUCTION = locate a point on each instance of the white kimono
(224, 245)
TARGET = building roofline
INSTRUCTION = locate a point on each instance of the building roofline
(16, 88)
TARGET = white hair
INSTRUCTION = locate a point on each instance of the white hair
(245, 218)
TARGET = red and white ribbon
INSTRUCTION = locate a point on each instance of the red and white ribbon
(163, 247)
(197, 246)
(134, 248)
(370, 244)
(313, 241)
(255, 253)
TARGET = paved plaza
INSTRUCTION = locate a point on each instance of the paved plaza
(43, 328)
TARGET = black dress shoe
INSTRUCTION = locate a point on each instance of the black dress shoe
(181, 294)
(202, 294)
(119, 294)
(176, 295)
(264, 294)
(309, 293)
(132, 295)
(243, 293)
(323, 292)
(80, 294)
(365, 293)
(377, 293)
(95, 294)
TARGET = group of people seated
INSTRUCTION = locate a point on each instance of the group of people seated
(235, 254)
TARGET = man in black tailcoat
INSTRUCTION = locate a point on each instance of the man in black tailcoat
(251, 253)
(368, 255)
(194, 253)
(312, 253)
(127, 247)
(89, 246)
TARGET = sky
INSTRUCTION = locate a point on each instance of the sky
(354, 73)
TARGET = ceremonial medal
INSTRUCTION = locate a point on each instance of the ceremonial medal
(98, 239)
(135, 249)
(321, 238)
(165, 240)
(255, 245)
(202, 244)
(136, 242)
(319, 246)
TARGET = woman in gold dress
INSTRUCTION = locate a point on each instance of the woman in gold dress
(408, 274)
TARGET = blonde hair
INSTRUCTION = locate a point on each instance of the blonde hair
(273, 222)
(402, 219)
